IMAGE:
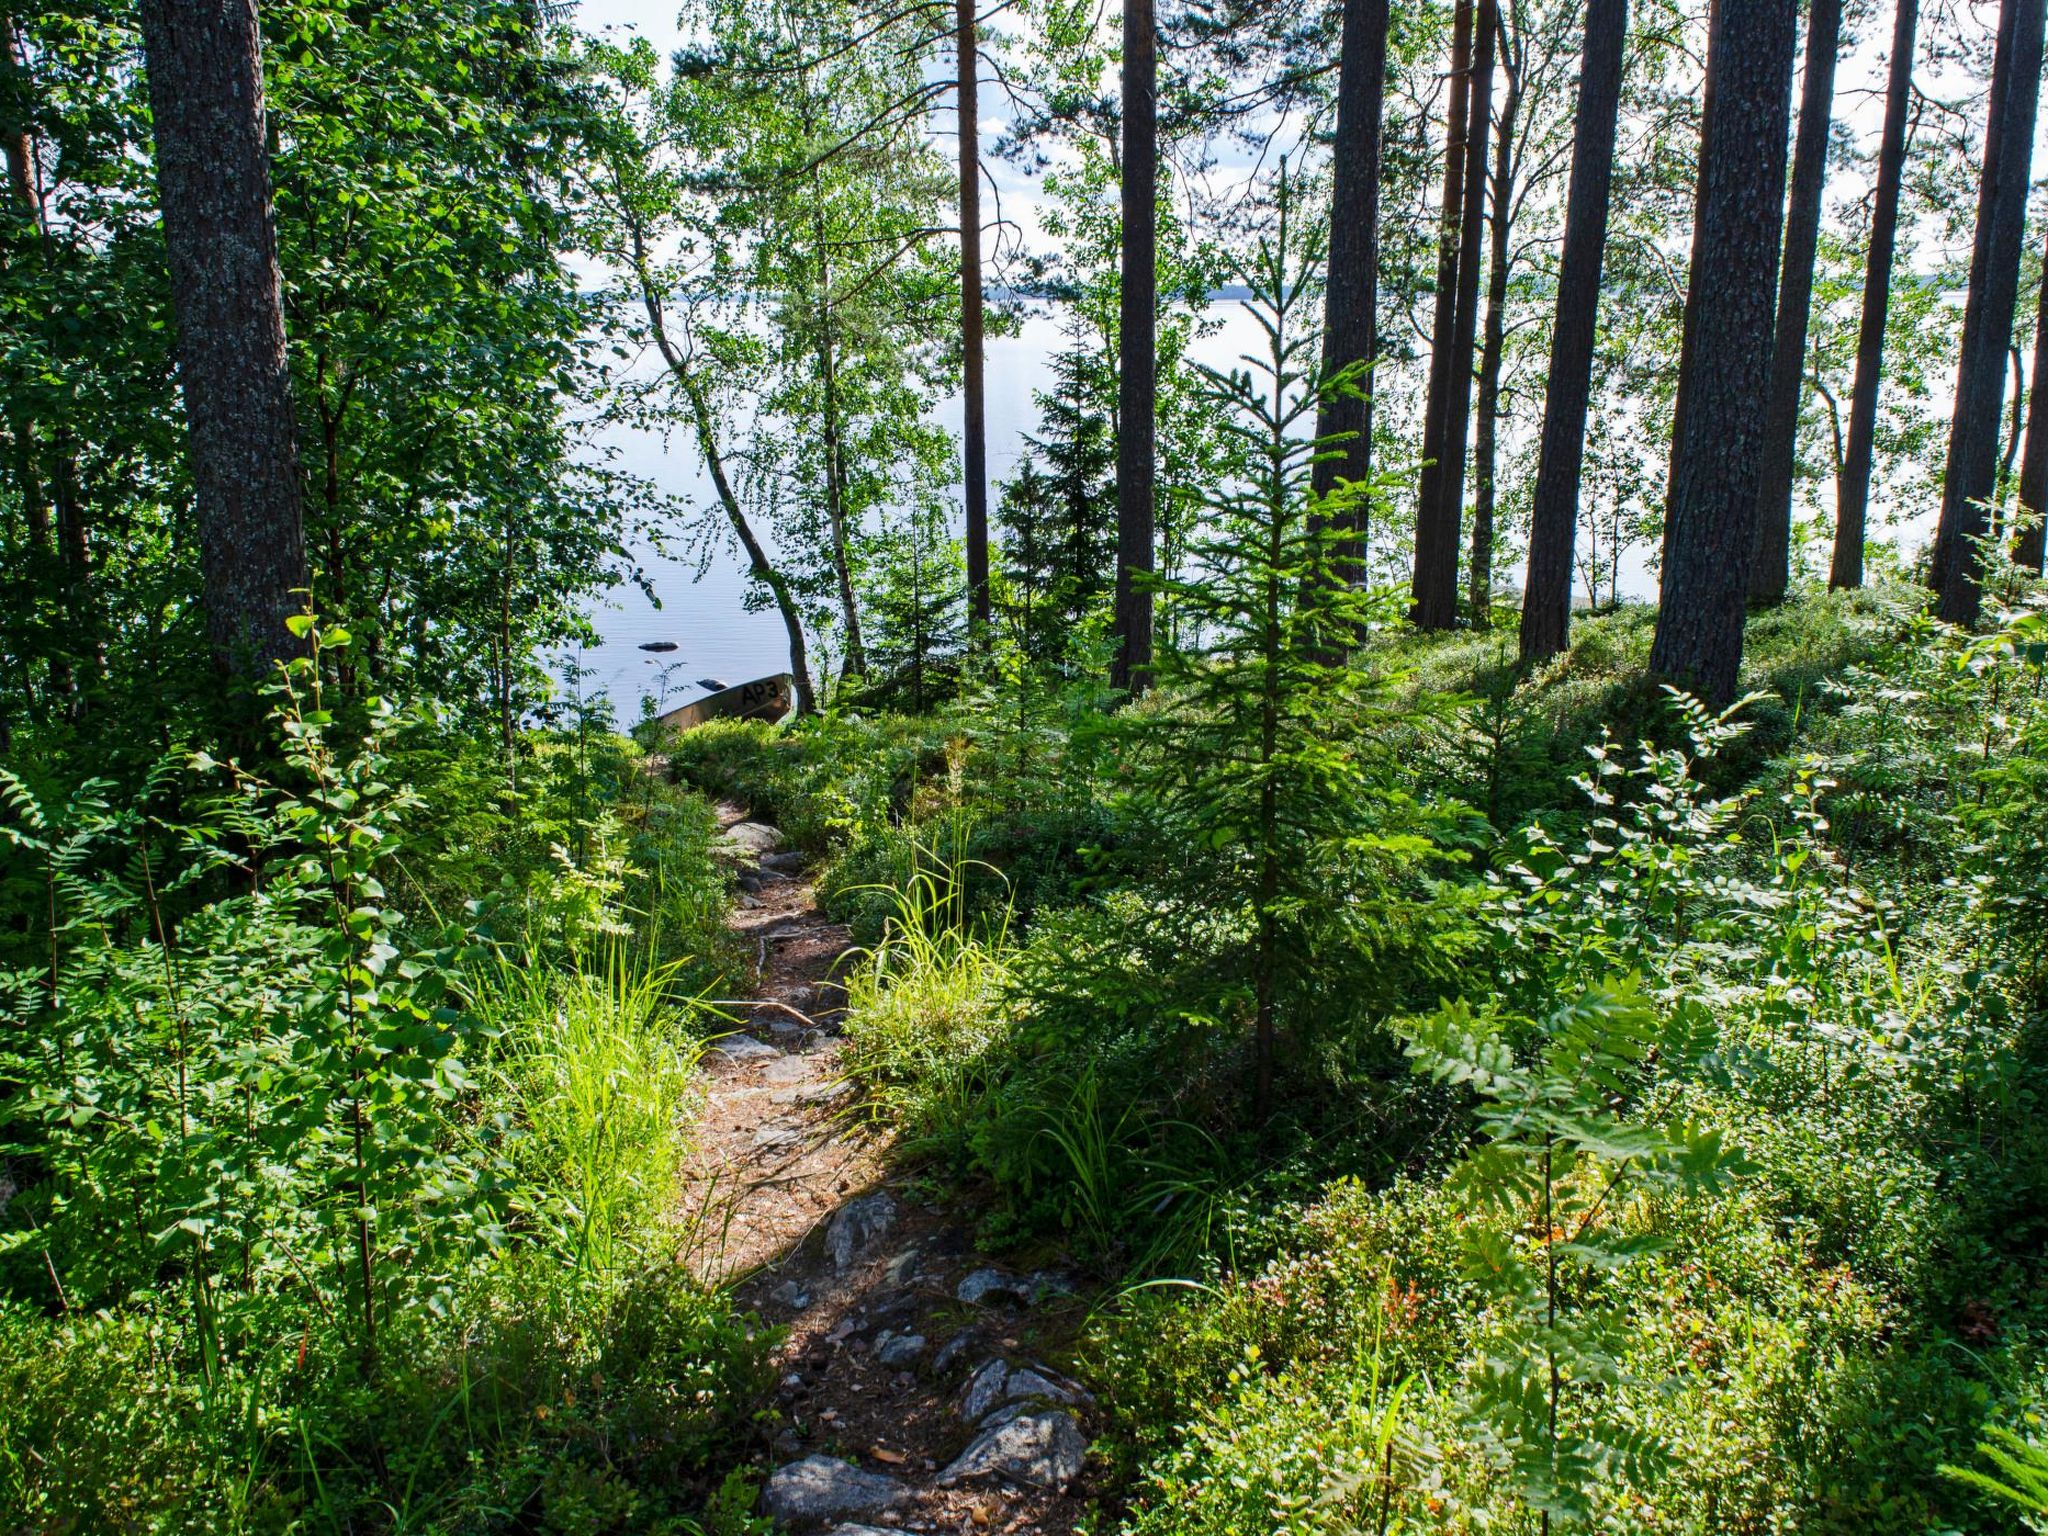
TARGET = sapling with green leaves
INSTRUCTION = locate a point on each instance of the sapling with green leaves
(1579, 1069)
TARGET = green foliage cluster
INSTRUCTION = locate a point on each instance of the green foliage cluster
(327, 1215)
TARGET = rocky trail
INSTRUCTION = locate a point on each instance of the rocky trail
(913, 1392)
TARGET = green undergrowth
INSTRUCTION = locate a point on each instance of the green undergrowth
(336, 1207)
(1791, 1278)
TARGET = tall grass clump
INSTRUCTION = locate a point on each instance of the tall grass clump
(925, 1011)
(599, 1065)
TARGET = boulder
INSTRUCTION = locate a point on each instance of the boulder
(819, 1489)
(856, 1226)
(992, 1285)
(738, 1050)
(998, 1383)
(899, 1351)
(984, 1391)
(956, 1349)
(1043, 1450)
(748, 840)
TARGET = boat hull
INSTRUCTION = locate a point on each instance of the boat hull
(765, 698)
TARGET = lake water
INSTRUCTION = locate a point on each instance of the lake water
(706, 616)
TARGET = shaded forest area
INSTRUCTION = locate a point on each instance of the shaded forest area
(1443, 927)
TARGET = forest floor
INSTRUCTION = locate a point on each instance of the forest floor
(912, 1390)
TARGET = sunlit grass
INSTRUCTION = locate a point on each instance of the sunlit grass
(599, 1063)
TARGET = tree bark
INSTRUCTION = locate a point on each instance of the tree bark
(1852, 503)
(974, 408)
(1710, 525)
(1486, 433)
(1987, 316)
(1137, 374)
(15, 142)
(213, 174)
(1351, 298)
(1547, 588)
(1770, 571)
(2028, 543)
(1443, 338)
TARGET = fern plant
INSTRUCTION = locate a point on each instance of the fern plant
(1572, 1139)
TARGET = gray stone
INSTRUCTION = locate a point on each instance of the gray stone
(1025, 1384)
(748, 839)
(1044, 1450)
(903, 1268)
(998, 1383)
(956, 1349)
(898, 1350)
(787, 863)
(861, 1530)
(856, 1226)
(822, 1488)
(738, 1050)
(1045, 1284)
(791, 1069)
(984, 1390)
(791, 1295)
(988, 1285)
(773, 1138)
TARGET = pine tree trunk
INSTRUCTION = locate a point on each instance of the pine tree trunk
(1971, 479)
(1443, 336)
(2027, 545)
(1771, 566)
(974, 407)
(1547, 589)
(1486, 434)
(1137, 375)
(15, 143)
(1351, 299)
(1710, 525)
(1852, 502)
(213, 174)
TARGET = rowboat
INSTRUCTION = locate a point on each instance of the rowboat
(766, 698)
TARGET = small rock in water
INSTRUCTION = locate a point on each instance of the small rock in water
(1045, 1450)
(988, 1285)
(856, 1226)
(900, 1349)
(822, 1488)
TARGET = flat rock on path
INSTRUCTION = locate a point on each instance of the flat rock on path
(822, 1488)
(1045, 1450)
(787, 1195)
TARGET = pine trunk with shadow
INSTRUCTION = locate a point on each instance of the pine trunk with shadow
(1710, 522)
